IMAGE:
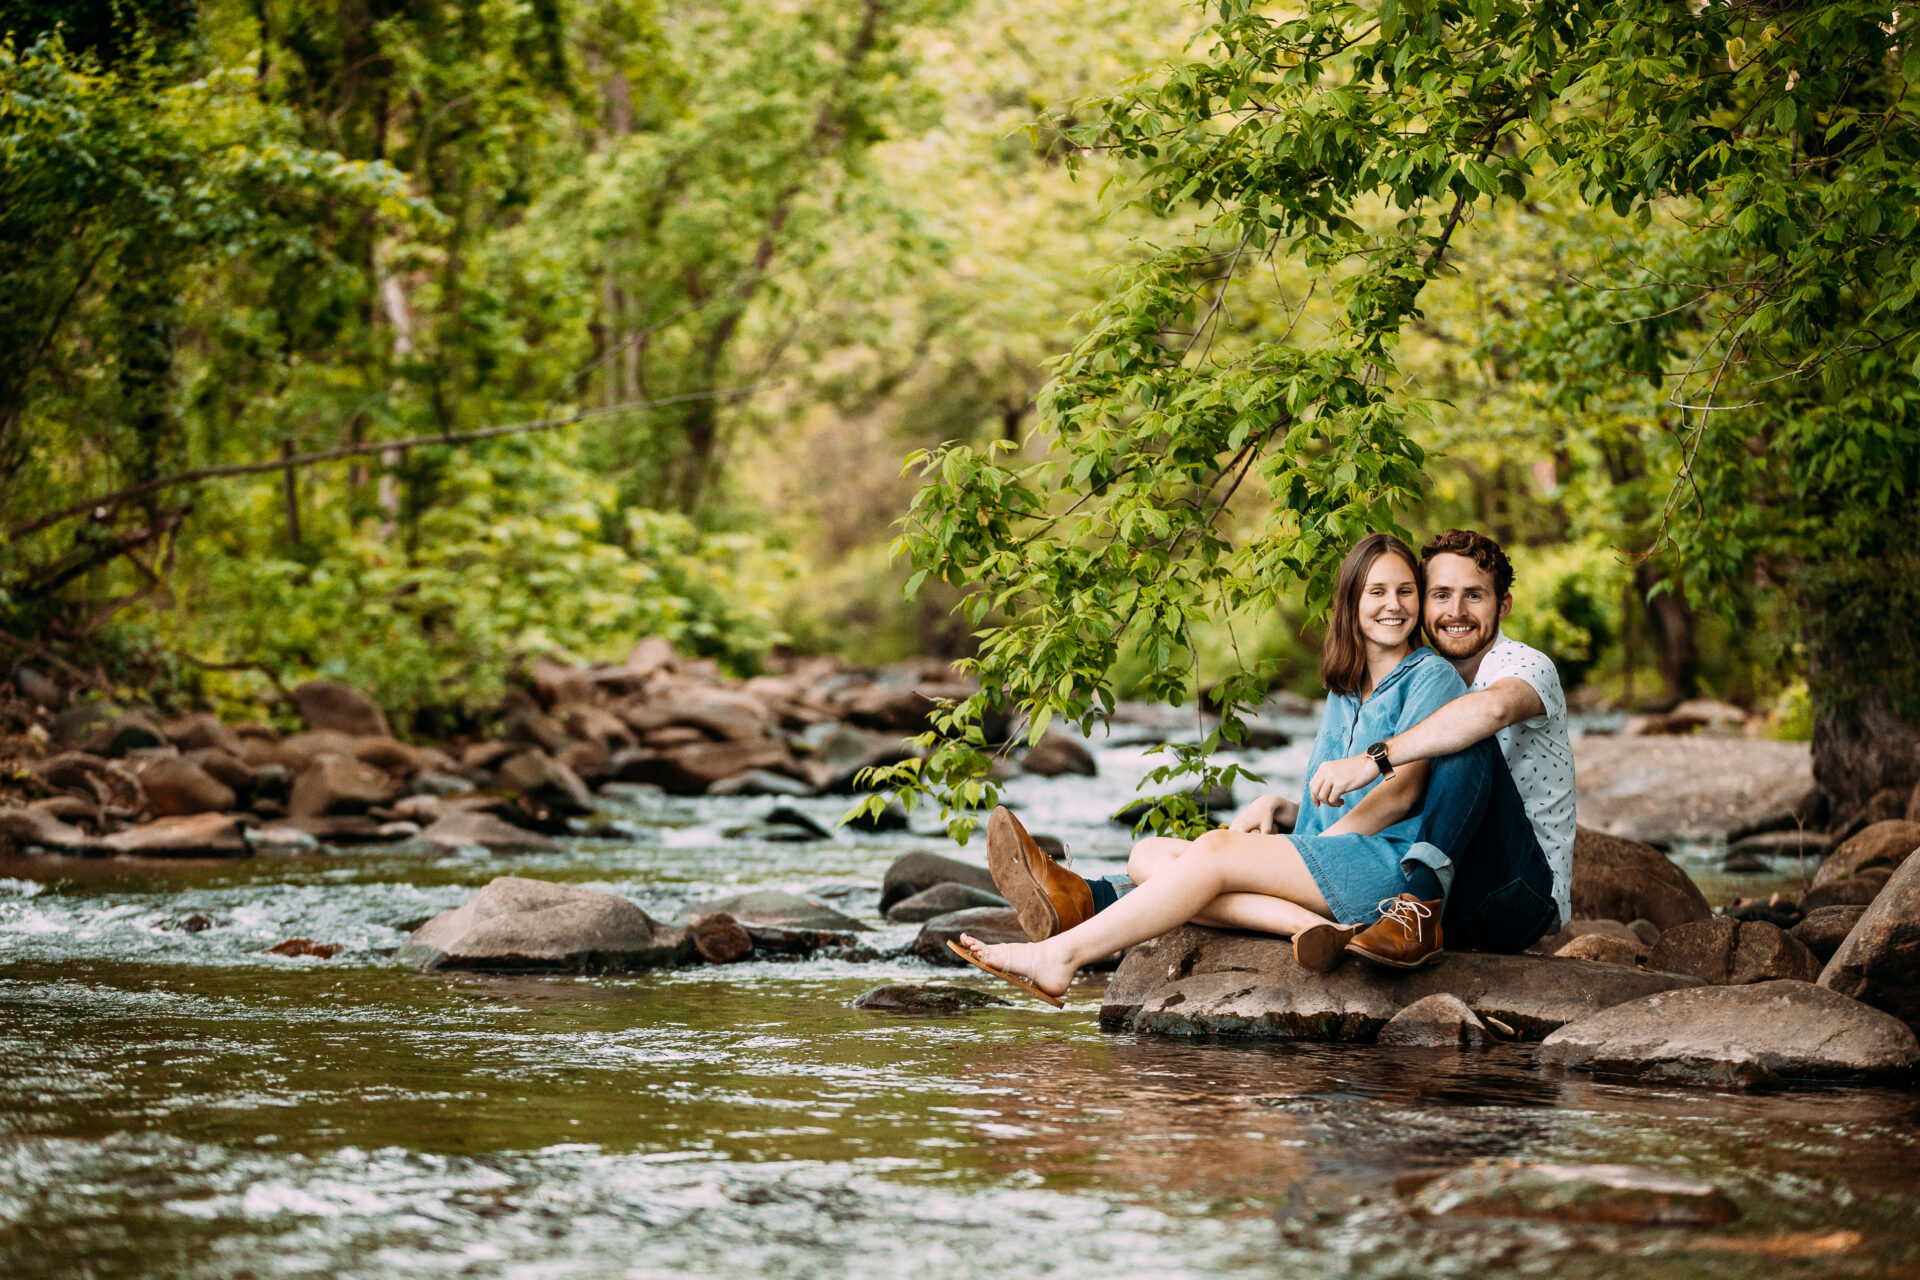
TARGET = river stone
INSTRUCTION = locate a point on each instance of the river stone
(339, 784)
(725, 713)
(328, 704)
(1198, 981)
(1733, 953)
(991, 925)
(1762, 1034)
(1884, 844)
(911, 997)
(1057, 754)
(133, 731)
(455, 828)
(231, 771)
(201, 835)
(31, 827)
(1605, 949)
(546, 781)
(760, 782)
(919, 871)
(1618, 1194)
(719, 938)
(282, 839)
(1551, 944)
(1664, 789)
(782, 909)
(1439, 1021)
(1783, 844)
(1856, 890)
(1825, 928)
(302, 749)
(518, 924)
(690, 770)
(941, 900)
(178, 786)
(1879, 962)
(200, 731)
(1624, 880)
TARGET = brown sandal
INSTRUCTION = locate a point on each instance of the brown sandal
(968, 956)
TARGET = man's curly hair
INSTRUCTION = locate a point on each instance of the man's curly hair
(1477, 547)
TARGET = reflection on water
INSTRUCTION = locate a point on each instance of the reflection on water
(173, 1101)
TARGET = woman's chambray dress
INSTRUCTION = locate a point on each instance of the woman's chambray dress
(1354, 872)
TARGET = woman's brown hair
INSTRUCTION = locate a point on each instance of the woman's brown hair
(1343, 657)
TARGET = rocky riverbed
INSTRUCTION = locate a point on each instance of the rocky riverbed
(268, 1064)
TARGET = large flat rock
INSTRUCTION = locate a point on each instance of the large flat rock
(1195, 982)
(515, 924)
(1666, 789)
(1764, 1034)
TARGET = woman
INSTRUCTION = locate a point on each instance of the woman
(1344, 863)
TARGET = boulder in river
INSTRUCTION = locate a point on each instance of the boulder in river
(458, 828)
(783, 910)
(1056, 754)
(1825, 928)
(514, 924)
(339, 784)
(201, 835)
(1884, 844)
(915, 872)
(1879, 962)
(691, 769)
(1580, 928)
(1625, 880)
(940, 900)
(1856, 890)
(329, 704)
(547, 782)
(177, 786)
(1611, 1193)
(924, 998)
(133, 731)
(1199, 981)
(1604, 949)
(200, 731)
(1660, 790)
(1733, 953)
(1439, 1021)
(992, 925)
(1767, 1033)
(38, 828)
(760, 782)
(719, 938)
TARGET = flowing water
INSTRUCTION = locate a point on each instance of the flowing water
(175, 1101)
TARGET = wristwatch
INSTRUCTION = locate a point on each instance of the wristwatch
(1378, 754)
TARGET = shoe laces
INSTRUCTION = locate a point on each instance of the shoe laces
(1405, 912)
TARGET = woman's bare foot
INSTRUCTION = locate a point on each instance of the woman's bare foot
(1038, 962)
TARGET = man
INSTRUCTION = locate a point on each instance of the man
(1499, 795)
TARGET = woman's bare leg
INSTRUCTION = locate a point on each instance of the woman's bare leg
(1255, 911)
(1219, 862)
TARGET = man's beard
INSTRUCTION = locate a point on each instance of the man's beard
(1451, 646)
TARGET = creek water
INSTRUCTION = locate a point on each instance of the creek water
(176, 1101)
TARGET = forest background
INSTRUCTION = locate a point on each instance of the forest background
(718, 268)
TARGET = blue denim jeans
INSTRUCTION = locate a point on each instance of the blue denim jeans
(1502, 893)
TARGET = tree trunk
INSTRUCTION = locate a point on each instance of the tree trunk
(1857, 620)
(1672, 620)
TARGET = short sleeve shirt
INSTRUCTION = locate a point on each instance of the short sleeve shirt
(1539, 755)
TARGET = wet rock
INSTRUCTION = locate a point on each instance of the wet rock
(545, 781)
(1604, 950)
(202, 835)
(339, 784)
(1825, 928)
(1884, 844)
(457, 829)
(1776, 909)
(201, 731)
(784, 815)
(1618, 879)
(916, 872)
(302, 749)
(1879, 961)
(1783, 844)
(532, 925)
(942, 899)
(1732, 953)
(1439, 1021)
(760, 782)
(837, 753)
(36, 828)
(773, 940)
(1057, 754)
(1197, 981)
(588, 760)
(228, 770)
(1551, 944)
(1856, 890)
(1659, 790)
(282, 840)
(1763, 1034)
(894, 709)
(195, 923)
(133, 731)
(601, 727)
(1610, 1193)
(179, 786)
(991, 925)
(691, 769)
(305, 947)
(920, 998)
(782, 909)
(328, 704)
(726, 714)
(719, 938)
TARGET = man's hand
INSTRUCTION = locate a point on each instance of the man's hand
(1337, 777)
(1256, 818)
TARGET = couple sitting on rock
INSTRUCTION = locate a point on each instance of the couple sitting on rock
(1439, 800)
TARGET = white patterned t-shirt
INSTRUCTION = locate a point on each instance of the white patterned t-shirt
(1539, 755)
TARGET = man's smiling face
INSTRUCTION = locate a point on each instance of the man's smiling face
(1463, 614)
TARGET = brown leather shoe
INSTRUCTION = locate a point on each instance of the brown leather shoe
(1049, 898)
(1406, 936)
(1318, 948)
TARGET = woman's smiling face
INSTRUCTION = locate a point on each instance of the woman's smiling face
(1389, 602)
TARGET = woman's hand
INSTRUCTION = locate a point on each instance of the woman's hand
(1256, 817)
(1336, 778)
